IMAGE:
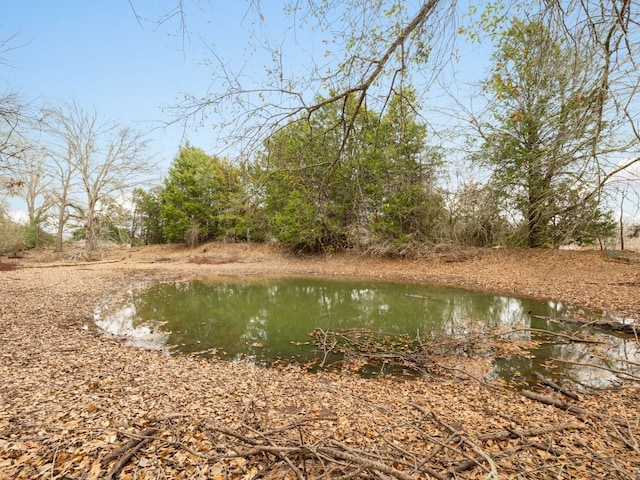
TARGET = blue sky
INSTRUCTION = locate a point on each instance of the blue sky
(98, 54)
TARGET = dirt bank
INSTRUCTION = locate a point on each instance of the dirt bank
(71, 397)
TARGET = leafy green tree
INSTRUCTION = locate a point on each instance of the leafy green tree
(544, 126)
(195, 203)
(146, 224)
(300, 200)
(244, 219)
(406, 205)
(381, 191)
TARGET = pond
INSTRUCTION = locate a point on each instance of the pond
(269, 320)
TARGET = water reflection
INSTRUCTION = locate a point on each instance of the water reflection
(121, 322)
(267, 319)
(586, 365)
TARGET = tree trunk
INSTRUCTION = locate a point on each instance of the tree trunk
(90, 231)
(621, 221)
(60, 232)
(536, 223)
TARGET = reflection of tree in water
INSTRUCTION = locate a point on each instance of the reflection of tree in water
(122, 322)
(196, 313)
(577, 363)
(515, 370)
(492, 311)
(615, 353)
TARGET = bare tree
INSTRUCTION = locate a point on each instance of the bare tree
(63, 169)
(120, 166)
(610, 31)
(95, 160)
(11, 144)
(33, 170)
(12, 111)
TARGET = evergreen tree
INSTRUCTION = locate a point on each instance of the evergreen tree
(197, 196)
(328, 188)
(146, 227)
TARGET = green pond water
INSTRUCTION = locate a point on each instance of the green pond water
(267, 320)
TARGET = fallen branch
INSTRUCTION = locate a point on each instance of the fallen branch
(631, 328)
(572, 408)
(555, 386)
(266, 437)
(308, 451)
(534, 432)
(482, 455)
(574, 337)
(129, 449)
(359, 460)
(545, 447)
(72, 264)
(332, 451)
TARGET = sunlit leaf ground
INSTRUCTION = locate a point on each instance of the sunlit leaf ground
(76, 404)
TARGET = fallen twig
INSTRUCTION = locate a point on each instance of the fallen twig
(575, 337)
(492, 469)
(534, 432)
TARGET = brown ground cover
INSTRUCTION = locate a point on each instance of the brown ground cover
(76, 404)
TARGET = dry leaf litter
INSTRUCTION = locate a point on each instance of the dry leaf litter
(76, 404)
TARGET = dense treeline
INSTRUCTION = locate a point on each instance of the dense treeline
(344, 175)
(382, 196)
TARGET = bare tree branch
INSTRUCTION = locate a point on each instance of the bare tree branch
(251, 114)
